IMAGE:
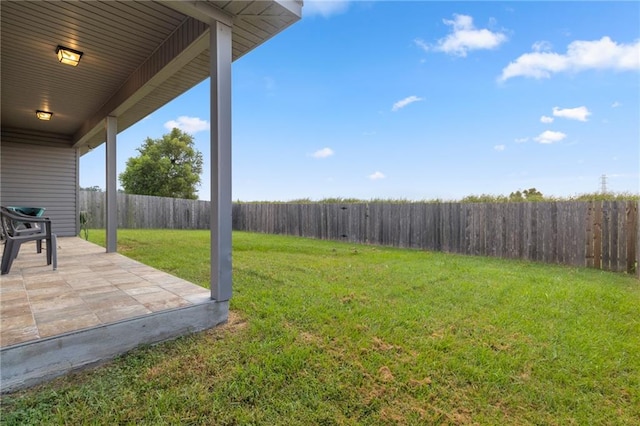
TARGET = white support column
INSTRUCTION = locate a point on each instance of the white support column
(220, 69)
(111, 128)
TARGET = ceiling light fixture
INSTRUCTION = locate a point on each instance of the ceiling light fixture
(44, 115)
(68, 56)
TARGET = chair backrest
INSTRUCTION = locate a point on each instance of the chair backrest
(14, 224)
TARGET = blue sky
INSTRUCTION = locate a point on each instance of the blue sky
(425, 100)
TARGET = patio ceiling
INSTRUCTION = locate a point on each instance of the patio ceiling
(137, 56)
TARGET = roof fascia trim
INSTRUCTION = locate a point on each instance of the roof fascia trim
(201, 10)
(180, 48)
(293, 6)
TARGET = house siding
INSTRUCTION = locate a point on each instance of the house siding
(41, 169)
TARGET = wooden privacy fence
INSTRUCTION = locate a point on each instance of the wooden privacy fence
(598, 234)
(143, 211)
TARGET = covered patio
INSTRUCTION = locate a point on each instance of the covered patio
(97, 306)
(74, 75)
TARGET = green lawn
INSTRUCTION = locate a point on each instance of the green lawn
(327, 333)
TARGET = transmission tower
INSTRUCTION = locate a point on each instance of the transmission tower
(603, 184)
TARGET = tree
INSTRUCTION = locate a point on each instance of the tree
(166, 167)
(530, 194)
(516, 196)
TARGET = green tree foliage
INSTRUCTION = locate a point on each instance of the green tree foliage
(166, 167)
(530, 194)
(484, 198)
(609, 196)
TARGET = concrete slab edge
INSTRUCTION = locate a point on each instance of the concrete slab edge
(30, 363)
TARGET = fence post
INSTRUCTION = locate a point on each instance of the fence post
(637, 247)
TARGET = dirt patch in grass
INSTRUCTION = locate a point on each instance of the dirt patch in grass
(385, 374)
(418, 383)
(380, 345)
(235, 322)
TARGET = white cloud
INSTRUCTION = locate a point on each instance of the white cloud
(580, 56)
(324, 8)
(376, 176)
(550, 136)
(616, 104)
(579, 113)
(323, 153)
(499, 147)
(404, 102)
(545, 119)
(422, 44)
(188, 124)
(521, 140)
(464, 37)
(541, 46)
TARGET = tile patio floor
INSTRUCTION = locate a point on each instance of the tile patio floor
(90, 288)
(96, 305)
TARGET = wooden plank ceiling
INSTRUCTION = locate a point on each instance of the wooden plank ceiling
(137, 56)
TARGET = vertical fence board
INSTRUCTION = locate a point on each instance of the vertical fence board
(484, 230)
(569, 242)
(450, 228)
(637, 242)
(532, 231)
(544, 232)
(581, 240)
(417, 226)
(429, 212)
(483, 248)
(597, 235)
(623, 226)
(553, 236)
(522, 230)
(456, 230)
(511, 231)
(503, 237)
(375, 224)
(632, 230)
(562, 230)
(403, 218)
(621, 239)
(621, 244)
(590, 235)
(613, 237)
(578, 216)
(467, 214)
(499, 237)
(568, 239)
(606, 235)
(494, 234)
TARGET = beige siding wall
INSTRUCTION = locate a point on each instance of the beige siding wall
(38, 169)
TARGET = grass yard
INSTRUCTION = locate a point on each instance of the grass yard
(327, 333)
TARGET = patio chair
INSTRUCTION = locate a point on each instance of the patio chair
(18, 228)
